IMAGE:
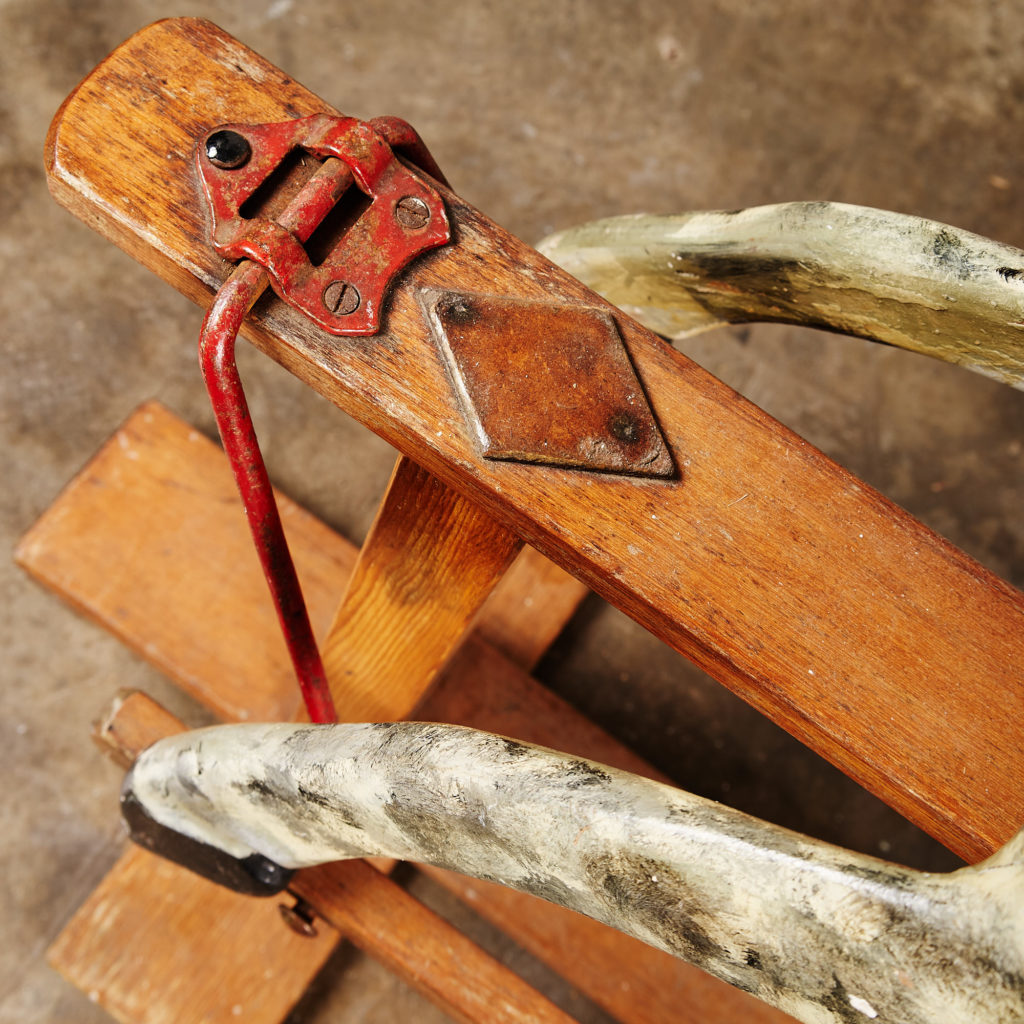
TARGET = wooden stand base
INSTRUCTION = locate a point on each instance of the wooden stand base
(153, 943)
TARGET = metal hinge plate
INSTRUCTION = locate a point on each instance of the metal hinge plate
(406, 217)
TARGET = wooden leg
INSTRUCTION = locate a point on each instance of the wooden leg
(428, 564)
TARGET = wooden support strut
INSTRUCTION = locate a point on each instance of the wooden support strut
(429, 562)
(813, 597)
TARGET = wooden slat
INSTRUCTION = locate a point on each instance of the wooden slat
(429, 953)
(155, 944)
(165, 494)
(816, 599)
(131, 724)
(427, 565)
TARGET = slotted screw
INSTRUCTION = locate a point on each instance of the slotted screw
(341, 297)
(412, 212)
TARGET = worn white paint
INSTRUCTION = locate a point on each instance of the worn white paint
(826, 934)
(915, 283)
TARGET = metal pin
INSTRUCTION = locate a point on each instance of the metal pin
(300, 917)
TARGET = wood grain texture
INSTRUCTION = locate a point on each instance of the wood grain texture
(91, 544)
(131, 723)
(427, 565)
(164, 493)
(155, 944)
(424, 949)
(821, 603)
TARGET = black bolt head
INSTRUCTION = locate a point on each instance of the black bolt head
(228, 150)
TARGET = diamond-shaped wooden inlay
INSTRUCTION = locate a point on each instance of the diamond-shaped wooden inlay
(548, 383)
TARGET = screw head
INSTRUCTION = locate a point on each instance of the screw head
(412, 212)
(299, 918)
(624, 427)
(228, 150)
(341, 297)
(457, 310)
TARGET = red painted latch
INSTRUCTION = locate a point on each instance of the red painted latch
(405, 218)
(342, 293)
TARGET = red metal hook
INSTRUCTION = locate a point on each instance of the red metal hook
(230, 149)
(217, 359)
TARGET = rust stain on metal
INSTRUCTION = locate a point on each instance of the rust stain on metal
(548, 383)
(404, 218)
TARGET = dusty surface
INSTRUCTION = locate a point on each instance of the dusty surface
(543, 115)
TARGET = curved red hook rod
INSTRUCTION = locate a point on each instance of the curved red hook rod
(217, 359)
(230, 153)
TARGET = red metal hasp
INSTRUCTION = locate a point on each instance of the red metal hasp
(342, 293)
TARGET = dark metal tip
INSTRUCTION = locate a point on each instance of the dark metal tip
(254, 875)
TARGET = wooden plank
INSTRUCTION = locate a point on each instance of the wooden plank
(427, 565)
(155, 944)
(422, 948)
(218, 957)
(164, 493)
(364, 905)
(160, 495)
(834, 612)
(141, 485)
(132, 722)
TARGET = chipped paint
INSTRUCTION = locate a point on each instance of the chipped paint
(902, 280)
(826, 934)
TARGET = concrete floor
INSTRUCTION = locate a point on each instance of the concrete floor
(543, 114)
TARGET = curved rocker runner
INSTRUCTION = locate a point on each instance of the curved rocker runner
(820, 932)
(906, 281)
